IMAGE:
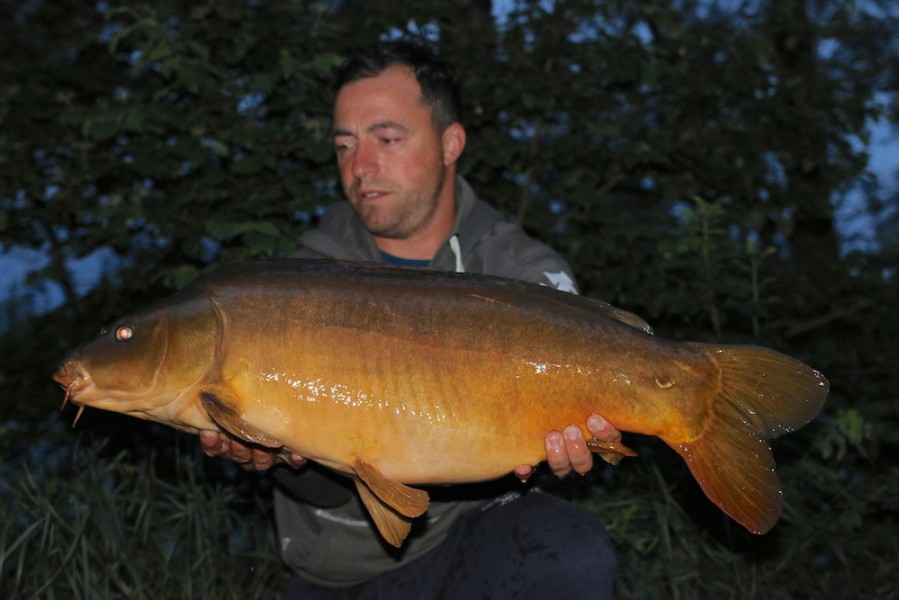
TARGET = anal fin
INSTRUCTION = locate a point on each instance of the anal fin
(611, 452)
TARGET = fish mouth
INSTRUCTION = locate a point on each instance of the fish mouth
(74, 381)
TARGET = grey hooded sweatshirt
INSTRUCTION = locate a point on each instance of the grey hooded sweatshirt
(326, 535)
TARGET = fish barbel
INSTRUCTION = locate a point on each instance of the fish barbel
(399, 377)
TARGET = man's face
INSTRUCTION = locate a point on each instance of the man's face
(391, 160)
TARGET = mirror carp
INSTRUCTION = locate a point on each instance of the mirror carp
(402, 377)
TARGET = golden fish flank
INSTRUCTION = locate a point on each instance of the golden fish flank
(397, 377)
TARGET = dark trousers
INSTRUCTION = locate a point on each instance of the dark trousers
(535, 546)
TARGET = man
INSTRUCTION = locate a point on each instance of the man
(398, 139)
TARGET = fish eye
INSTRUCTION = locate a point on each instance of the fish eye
(124, 333)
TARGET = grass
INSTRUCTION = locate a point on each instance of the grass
(103, 528)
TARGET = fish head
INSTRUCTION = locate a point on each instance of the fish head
(146, 363)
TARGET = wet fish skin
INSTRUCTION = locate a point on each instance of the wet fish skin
(396, 376)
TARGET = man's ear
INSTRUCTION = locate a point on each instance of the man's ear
(453, 139)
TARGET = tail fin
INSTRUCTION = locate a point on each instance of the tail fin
(763, 394)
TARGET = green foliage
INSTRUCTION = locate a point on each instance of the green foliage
(848, 431)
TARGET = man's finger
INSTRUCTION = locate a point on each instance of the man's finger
(602, 429)
(556, 454)
(578, 453)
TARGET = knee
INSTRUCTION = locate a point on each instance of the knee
(575, 552)
(584, 549)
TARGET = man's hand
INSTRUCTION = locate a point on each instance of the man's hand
(259, 459)
(567, 451)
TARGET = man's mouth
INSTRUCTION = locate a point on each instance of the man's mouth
(370, 195)
(367, 191)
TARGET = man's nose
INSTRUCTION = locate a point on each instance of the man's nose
(365, 161)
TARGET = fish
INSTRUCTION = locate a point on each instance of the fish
(405, 378)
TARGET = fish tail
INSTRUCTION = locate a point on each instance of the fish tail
(762, 394)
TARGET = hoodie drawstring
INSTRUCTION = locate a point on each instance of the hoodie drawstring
(457, 251)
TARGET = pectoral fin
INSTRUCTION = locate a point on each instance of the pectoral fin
(611, 452)
(391, 504)
(223, 407)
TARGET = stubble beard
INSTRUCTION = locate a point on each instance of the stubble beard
(408, 216)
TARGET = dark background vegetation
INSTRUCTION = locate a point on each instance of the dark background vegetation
(694, 161)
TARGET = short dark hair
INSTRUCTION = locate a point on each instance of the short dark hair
(439, 88)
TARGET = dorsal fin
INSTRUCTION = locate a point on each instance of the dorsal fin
(623, 316)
